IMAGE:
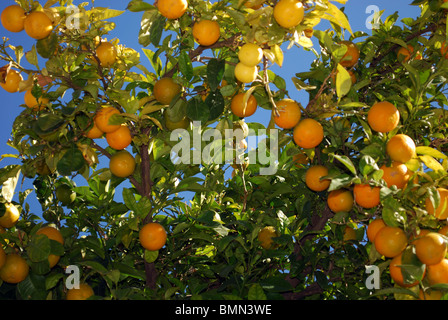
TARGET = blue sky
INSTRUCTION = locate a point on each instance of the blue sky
(127, 28)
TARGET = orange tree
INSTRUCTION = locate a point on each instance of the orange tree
(120, 208)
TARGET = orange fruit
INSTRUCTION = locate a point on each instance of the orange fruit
(15, 269)
(444, 230)
(396, 272)
(107, 54)
(430, 294)
(340, 200)
(265, 237)
(349, 234)
(239, 109)
(206, 32)
(172, 9)
(444, 50)
(122, 164)
(418, 234)
(350, 72)
(84, 292)
(431, 248)
(308, 133)
(288, 114)
(52, 234)
(441, 212)
(351, 57)
(12, 81)
(165, 90)
(300, 159)
(13, 18)
(313, 178)
(288, 13)
(245, 74)
(38, 25)
(94, 132)
(33, 103)
(438, 273)
(10, 217)
(406, 53)
(400, 148)
(2, 256)
(373, 228)
(366, 196)
(119, 139)
(383, 117)
(396, 174)
(152, 236)
(250, 54)
(102, 119)
(390, 241)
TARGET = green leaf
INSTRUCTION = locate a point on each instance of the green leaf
(33, 287)
(215, 72)
(154, 59)
(430, 152)
(31, 57)
(138, 6)
(197, 110)
(47, 46)
(256, 292)
(185, 65)
(156, 30)
(39, 248)
(346, 162)
(151, 256)
(343, 82)
(72, 160)
(215, 102)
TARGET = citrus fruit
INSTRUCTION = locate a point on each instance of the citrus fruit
(417, 234)
(300, 159)
(38, 25)
(390, 241)
(172, 9)
(308, 133)
(431, 248)
(10, 217)
(313, 178)
(250, 54)
(265, 237)
(15, 269)
(441, 212)
(350, 72)
(12, 81)
(152, 236)
(396, 174)
(383, 117)
(366, 196)
(340, 200)
(396, 273)
(13, 18)
(373, 228)
(288, 13)
(206, 32)
(184, 123)
(94, 132)
(240, 109)
(2, 256)
(430, 295)
(438, 273)
(84, 292)
(107, 54)
(119, 139)
(245, 74)
(444, 230)
(165, 90)
(400, 148)
(444, 50)
(52, 234)
(351, 57)
(65, 194)
(288, 114)
(33, 103)
(122, 164)
(404, 54)
(102, 119)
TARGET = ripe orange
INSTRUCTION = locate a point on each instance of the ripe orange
(38, 25)
(444, 50)
(383, 117)
(438, 273)
(250, 54)
(444, 230)
(15, 269)
(340, 200)
(102, 118)
(2, 256)
(239, 109)
(119, 139)
(406, 53)
(288, 114)
(172, 9)
(396, 174)
(366, 196)
(206, 32)
(351, 57)
(13, 18)
(430, 294)
(373, 228)
(152, 236)
(122, 164)
(265, 237)
(300, 159)
(396, 272)
(390, 241)
(288, 13)
(84, 292)
(12, 81)
(308, 133)
(165, 90)
(94, 132)
(441, 212)
(431, 248)
(417, 234)
(245, 74)
(52, 234)
(313, 178)
(33, 103)
(400, 148)
(10, 217)
(107, 54)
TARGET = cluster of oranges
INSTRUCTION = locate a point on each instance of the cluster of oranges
(36, 24)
